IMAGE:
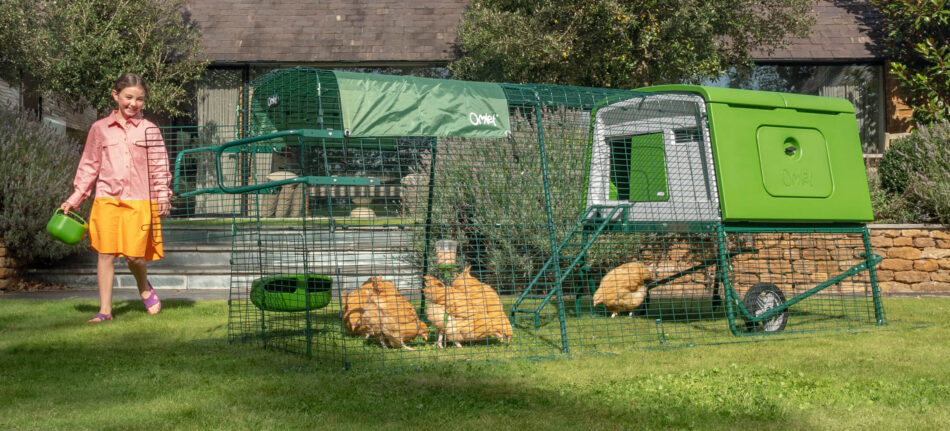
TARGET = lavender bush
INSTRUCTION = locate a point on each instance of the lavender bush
(37, 169)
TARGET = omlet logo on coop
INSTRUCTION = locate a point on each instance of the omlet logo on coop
(483, 119)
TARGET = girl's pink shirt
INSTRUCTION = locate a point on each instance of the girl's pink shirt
(117, 160)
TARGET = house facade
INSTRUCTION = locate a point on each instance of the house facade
(842, 57)
(21, 93)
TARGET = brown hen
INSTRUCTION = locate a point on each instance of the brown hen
(623, 288)
(377, 309)
(466, 310)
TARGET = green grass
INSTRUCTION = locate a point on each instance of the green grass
(667, 322)
(176, 371)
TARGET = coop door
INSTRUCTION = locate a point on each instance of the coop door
(638, 168)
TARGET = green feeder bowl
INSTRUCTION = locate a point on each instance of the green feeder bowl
(289, 292)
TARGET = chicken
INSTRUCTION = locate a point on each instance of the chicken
(354, 306)
(437, 295)
(486, 304)
(466, 310)
(377, 309)
(623, 288)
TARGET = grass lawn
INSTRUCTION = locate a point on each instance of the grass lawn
(177, 371)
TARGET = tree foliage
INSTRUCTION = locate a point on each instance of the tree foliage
(917, 38)
(620, 43)
(78, 48)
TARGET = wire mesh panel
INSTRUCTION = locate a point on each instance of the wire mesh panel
(592, 224)
(819, 274)
(200, 212)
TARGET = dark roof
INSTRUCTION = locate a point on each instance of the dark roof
(843, 30)
(424, 31)
(328, 31)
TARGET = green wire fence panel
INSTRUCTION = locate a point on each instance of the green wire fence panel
(406, 220)
(200, 212)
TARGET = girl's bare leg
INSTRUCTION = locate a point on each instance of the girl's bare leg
(140, 270)
(105, 274)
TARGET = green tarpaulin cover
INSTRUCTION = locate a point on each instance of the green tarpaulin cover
(383, 105)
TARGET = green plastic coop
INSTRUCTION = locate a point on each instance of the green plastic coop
(748, 208)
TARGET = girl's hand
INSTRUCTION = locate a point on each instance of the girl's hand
(65, 207)
(164, 208)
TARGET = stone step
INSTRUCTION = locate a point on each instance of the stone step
(352, 238)
(205, 270)
(212, 259)
(405, 280)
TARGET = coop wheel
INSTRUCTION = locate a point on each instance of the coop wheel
(763, 297)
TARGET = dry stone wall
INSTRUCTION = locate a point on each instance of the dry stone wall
(8, 267)
(916, 258)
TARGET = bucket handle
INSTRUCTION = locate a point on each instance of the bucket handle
(71, 214)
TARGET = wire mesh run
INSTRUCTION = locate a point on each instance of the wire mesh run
(593, 226)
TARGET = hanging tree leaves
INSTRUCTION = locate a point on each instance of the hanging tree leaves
(76, 49)
(620, 43)
(917, 38)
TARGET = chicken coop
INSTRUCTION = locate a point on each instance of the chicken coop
(406, 219)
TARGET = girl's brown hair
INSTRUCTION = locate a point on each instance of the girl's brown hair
(130, 80)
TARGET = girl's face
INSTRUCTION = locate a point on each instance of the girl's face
(130, 101)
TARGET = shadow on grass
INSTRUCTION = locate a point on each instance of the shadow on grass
(120, 308)
(167, 382)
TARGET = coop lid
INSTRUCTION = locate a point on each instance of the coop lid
(760, 99)
(386, 105)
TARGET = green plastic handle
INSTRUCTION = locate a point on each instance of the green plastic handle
(74, 215)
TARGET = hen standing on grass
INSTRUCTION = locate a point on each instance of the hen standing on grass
(485, 301)
(466, 310)
(437, 296)
(623, 288)
(377, 309)
(354, 306)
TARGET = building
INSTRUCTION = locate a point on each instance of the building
(842, 57)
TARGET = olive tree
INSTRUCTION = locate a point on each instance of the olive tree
(620, 43)
(76, 49)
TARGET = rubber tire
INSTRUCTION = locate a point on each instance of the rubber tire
(761, 298)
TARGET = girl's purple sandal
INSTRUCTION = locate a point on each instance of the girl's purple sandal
(152, 300)
(100, 317)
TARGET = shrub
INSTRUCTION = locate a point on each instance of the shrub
(37, 168)
(930, 186)
(916, 169)
(897, 161)
(892, 207)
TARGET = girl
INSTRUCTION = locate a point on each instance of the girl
(131, 177)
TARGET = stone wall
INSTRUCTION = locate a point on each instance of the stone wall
(916, 258)
(8, 267)
(916, 261)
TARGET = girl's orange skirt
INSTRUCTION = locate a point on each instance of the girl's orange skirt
(126, 228)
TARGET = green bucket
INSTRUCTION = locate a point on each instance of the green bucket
(291, 292)
(66, 227)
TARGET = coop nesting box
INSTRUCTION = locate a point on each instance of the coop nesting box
(691, 153)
